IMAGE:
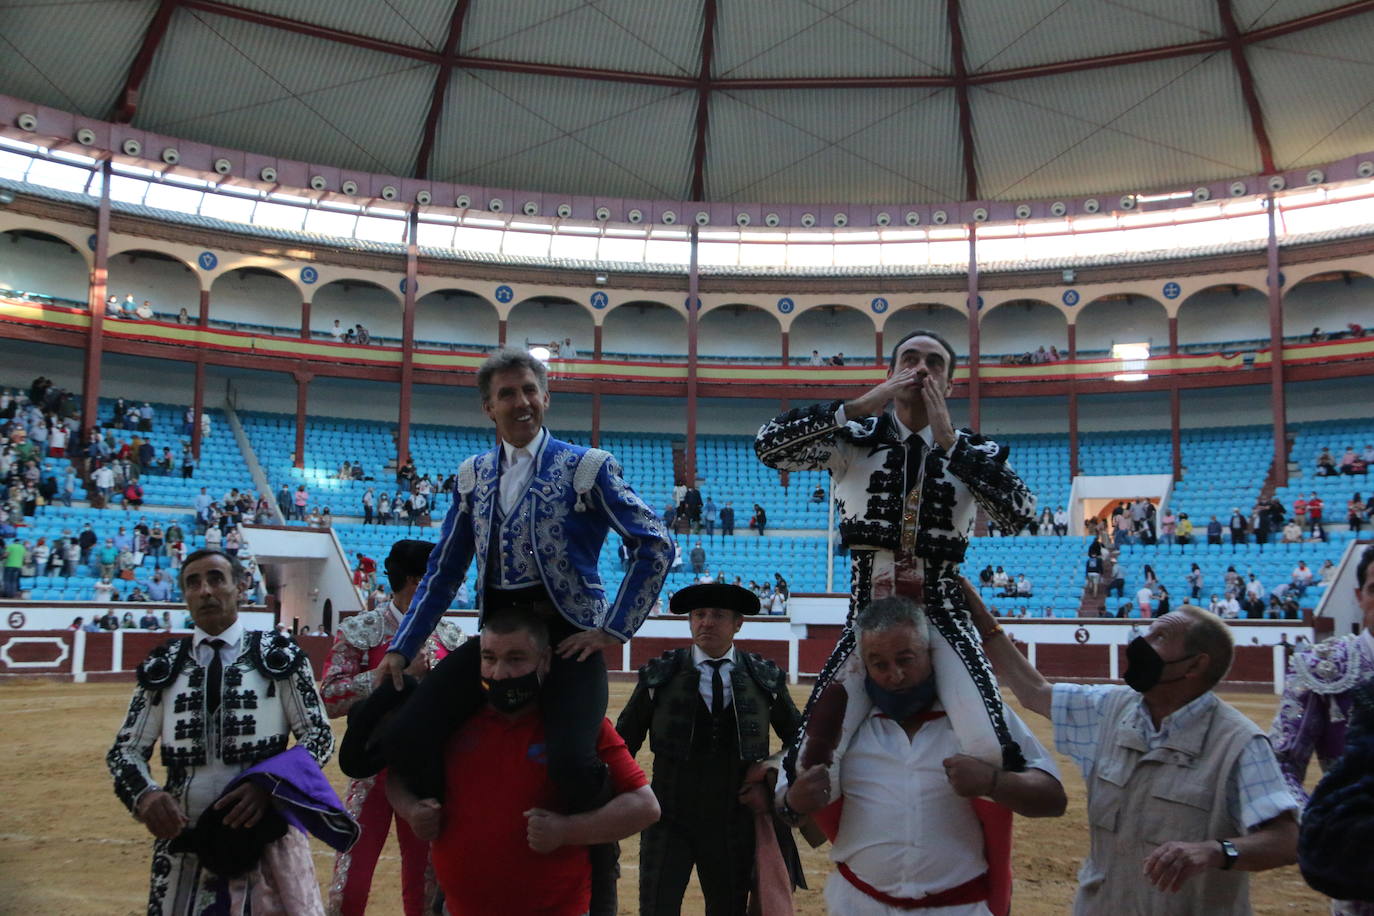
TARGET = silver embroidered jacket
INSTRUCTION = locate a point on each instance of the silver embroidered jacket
(554, 536)
(866, 461)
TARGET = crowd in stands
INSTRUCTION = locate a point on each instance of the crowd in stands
(357, 334)
(1036, 357)
(1351, 462)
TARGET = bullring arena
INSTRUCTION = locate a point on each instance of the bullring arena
(260, 249)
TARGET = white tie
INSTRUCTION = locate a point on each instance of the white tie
(514, 481)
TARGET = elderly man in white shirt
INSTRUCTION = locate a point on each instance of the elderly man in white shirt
(904, 772)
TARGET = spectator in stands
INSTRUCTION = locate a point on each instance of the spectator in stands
(1148, 575)
(1216, 605)
(1327, 574)
(112, 309)
(1121, 524)
(1061, 521)
(358, 473)
(1354, 513)
(1213, 531)
(1238, 526)
(1162, 607)
(1315, 507)
(837, 359)
(350, 336)
(818, 494)
(1348, 459)
(1292, 534)
(384, 509)
(697, 558)
(1093, 584)
(708, 516)
(1000, 579)
(1326, 463)
(816, 358)
(127, 622)
(1230, 607)
(133, 495)
(361, 335)
(16, 556)
(1023, 586)
(337, 331)
(345, 471)
(136, 594)
(1254, 588)
(312, 518)
(232, 542)
(301, 499)
(727, 519)
(214, 537)
(103, 478)
(1045, 524)
(985, 576)
(1301, 579)
(1195, 580)
(760, 519)
(183, 316)
(1144, 599)
(1111, 574)
(369, 501)
(104, 592)
(1300, 510)
(159, 589)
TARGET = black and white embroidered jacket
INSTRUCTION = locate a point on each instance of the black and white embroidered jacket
(866, 460)
(269, 695)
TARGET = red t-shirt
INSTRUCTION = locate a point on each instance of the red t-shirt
(496, 771)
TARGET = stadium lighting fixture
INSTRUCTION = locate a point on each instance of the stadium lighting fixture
(1133, 358)
(540, 353)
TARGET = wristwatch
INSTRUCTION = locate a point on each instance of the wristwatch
(1229, 853)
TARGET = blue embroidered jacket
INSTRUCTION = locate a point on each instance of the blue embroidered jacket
(575, 498)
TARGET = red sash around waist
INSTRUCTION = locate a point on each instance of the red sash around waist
(972, 891)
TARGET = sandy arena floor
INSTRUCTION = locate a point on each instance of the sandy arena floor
(68, 847)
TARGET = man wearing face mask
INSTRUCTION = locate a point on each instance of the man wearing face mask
(907, 486)
(1164, 759)
(497, 845)
(917, 823)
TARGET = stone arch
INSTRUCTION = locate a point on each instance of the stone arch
(548, 319)
(1222, 314)
(352, 301)
(256, 296)
(949, 322)
(1121, 318)
(1329, 300)
(1013, 328)
(644, 329)
(739, 331)
(45, 263)
(832, 329)
(456, 318)
(166, 281)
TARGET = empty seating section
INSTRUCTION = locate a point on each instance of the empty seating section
(1224, 469)
(1335, 492)
(1043, 463)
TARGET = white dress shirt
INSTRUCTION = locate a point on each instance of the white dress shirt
(228, 653)
(700, 658)
(517, 469)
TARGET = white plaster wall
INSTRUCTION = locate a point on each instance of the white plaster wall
(1023, 326)
(1330, 305)
(1102, 324)
(47, 266)
(544, 321)
(1220, 315)
(255, 298)
(949, 324)
(742, 331)
(646, 328)
(377, 309)
(453, 316)
(168, 284)
(831, 330)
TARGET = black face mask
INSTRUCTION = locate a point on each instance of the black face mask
(900, 705)
(1145, 666)
(511, 693)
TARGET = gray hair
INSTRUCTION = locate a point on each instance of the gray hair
(886, 613)
(509, 358)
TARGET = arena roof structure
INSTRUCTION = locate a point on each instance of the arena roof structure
(785, 101)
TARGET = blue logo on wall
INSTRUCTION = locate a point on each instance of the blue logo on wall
(879, 305)
(504, 294)
(786, 305)
(980, 303)
(1283, 281)
(1070, 297)
(207, 260)
(691, 304)
(600, 300)
(90, 242)
(309, 275)
(405, 282)
(1171, 290)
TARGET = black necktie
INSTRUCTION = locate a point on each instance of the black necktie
(214, 677)
(717, 686)
(915, 457)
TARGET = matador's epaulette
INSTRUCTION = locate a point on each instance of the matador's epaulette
(163, 664)
(275, 655)
(658, 671)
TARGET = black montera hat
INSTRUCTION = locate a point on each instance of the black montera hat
(714, 594)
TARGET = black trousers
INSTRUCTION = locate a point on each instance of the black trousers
(572, 703)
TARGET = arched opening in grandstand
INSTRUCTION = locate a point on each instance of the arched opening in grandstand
(548, 321)
(949, 323)
(456, 319)
(352, 302)
(255, 298)
(832, 330)
(745, 333)
(1015, 332)
(167, 283)
(1224, 319)
(40, 263)
(1329, 305)
(644, 329)
(1125, 318)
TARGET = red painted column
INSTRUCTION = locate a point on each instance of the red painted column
(693, 311)
(1073, 405)
(878, 355)
(1175, 408)
(96, 295)
(974, 405)
(501, 333)
(596, 388)
(786, 350)
(408, 340)
(1276, 392)
(305, 319)
(198, 397)
(302, 390)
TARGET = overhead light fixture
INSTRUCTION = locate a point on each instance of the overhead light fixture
(1069, 275)
(6, 197)
(600, 279)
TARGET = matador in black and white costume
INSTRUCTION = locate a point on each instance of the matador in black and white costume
(907, 487)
